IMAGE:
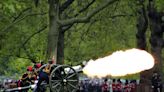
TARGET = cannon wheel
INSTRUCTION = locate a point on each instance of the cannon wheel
(63, 79)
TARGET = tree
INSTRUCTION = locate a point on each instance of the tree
(57, 24)
(156, 37)
(156, 40)
(142, 25)
(22, 34)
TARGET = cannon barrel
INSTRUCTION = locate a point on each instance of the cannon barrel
(78, 69)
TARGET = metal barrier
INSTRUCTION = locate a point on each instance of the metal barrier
(18, 89)
(23, 88)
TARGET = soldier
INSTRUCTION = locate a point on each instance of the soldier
(133, 85)
(25, 79)
(105, 86)
(114, 88)
(156, 82)
(44, 75)
(119, 85)
(127, 87)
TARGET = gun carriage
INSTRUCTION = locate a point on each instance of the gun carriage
(63, 78)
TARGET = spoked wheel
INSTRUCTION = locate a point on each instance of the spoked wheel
(63, 79)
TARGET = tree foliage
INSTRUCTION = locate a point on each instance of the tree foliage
(22, 33)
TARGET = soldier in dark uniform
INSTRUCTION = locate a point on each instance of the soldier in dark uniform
(44, 75)
(156, 82)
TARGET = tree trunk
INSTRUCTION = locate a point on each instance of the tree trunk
(60, 50)
(53, 33)
(156, 42)
(142, 26)
(156, 39)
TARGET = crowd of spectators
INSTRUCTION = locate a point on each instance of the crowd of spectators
(107, 85)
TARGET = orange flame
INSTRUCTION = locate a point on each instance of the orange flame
(120, 63)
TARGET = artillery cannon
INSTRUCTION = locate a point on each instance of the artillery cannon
(63, 78)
